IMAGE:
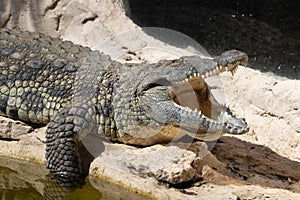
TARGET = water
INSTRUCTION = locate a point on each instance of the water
(20, 180)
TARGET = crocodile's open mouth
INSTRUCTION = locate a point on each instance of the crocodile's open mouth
(188, 103)
(194, 96)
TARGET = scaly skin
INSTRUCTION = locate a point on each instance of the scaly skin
(78, 92)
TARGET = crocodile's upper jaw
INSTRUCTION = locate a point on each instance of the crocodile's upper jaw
(190, 105)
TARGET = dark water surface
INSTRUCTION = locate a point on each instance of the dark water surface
(21, 180)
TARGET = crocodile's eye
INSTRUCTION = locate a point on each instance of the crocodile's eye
(157, 83)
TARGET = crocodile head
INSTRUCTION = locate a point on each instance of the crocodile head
(175, 94)
(153, 103)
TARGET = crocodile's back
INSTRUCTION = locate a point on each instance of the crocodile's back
(37, 74)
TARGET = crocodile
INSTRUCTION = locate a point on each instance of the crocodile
(76, 92)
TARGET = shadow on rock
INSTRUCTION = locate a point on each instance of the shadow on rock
(237, 162)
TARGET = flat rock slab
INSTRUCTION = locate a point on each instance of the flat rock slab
(167, 164)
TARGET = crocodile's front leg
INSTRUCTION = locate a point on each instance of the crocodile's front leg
(65, 133)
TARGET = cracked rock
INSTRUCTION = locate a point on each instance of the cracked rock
(167, 164)
(13, 130)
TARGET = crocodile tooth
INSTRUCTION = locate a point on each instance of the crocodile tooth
(226, 68)
(202, 76)
(195, 74)
(198, 74)
(207, 74)
(186, 80)
(232, 128)
(221, 116)
(224, 105)
(216, 71)
(221, 67)
(227, 125)
(195, 113)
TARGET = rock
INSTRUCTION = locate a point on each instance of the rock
(13, 130)
(21, 141)
(271, 106)
(82, 22)
(167, 164)
(256, 164)
(19, 174)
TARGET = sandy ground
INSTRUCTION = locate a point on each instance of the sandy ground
(263, 164)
